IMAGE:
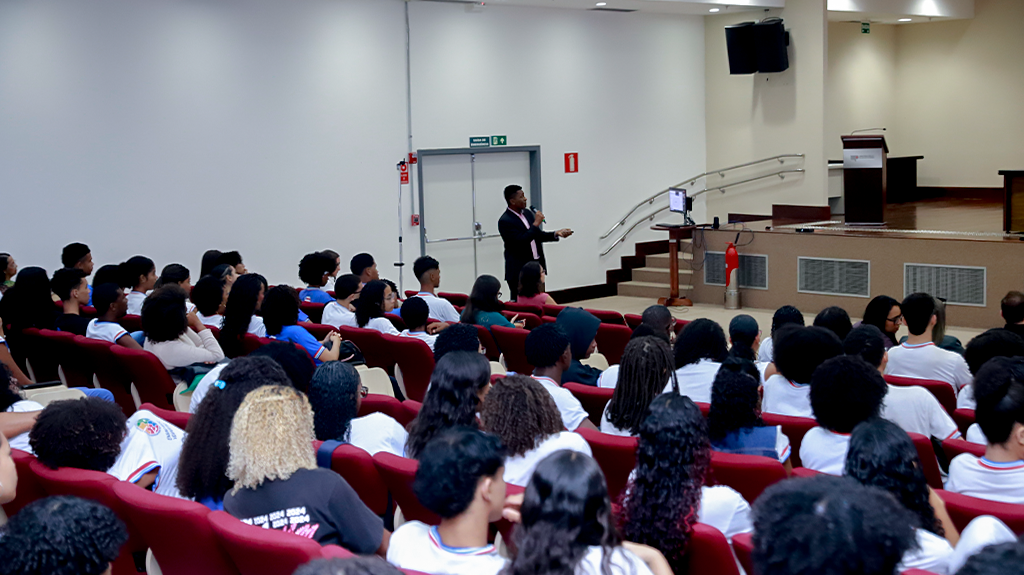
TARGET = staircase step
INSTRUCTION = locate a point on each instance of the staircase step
(662, 261)
(661, 275)
(648, 289)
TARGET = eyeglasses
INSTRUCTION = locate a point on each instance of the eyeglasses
(894, 319)
(391, 296)
(363, 391)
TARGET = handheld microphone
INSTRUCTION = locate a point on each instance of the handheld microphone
(533, 209)
(868, 130)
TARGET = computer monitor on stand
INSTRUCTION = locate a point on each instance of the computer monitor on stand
(680, 203)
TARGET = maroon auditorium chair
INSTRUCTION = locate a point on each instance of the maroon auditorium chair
(612, 340)
(615, 454)
(108, 371)
(151, 379)
(29, 487)
(794, 427)
(259, 551)
(415, 361)
(398, 474)
(940, 389)
(358, 469)
(399, 411)
(963, 508)
(709, 552)
(750, 475)
(512, 342)
(593, 399)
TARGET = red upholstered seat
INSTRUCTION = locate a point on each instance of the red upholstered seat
(416, 362)
(377, 403)
(524, 308)
(410, 293)
(512, 342)
(963, 508)
(612, 317)
(398, 474)
(705, 408)
(743, 547)
(709, 552)
(318, 330)
(397, 321)
(612, 340)
(459, 299)
(929, 464)
(633, 320)
(371, 343)
(163, 520)
(108, 371)
(151, 379)
(748, 474)
(594, 399)
(940, 389)
(964, 418)
(552, 310)
(131, 322)
(794, 427)
(804, 472)
(315, 311)
(358, 469)
(680, 324)
(178, 418)
(531, 320)
(258, 551)
(487, 340)
(74, 364)
(615, 454)
(251, 343)
(954, 447)
(29, 487)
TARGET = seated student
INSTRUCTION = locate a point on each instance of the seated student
(78, 256)
(29, 303)
(610, 377)
(91, 433)
(656, 321)
(210, 299)
(375, 300)
(567, 525)
(883, 455)
(829, 525)
(415, 315)
(8, 472)
(457, 389)
(177, 339)
(484, 307)
(919, 357)
(288, 356)
(1002, 559)
(912, 407)
(233, 259)
(939, 336)
(111, 306)
(734, 421)
(646, 363)
(580, 327)
(209, 262)
(281, 316)
(522, 414)
(363, 266)
(176, 274)
(845, 391)
(457, 337)
(744, 338)
(834, 319)
(244, 300)
(699, 351)
(71, 286)
(667, 491)
(992, 343)
(342, 311)
(459, 479)
(1012, 310)
(998, 476)
(785, 315)
(107, 274)
(273, 465)
(335, 394)
(314, 270)
(8, 269)
(62, 535)
(798, 352)
(531, 286)
(549, 351)
(139, 274)
(884, 313)
(428, 271)
(336, 258)
(202, 467)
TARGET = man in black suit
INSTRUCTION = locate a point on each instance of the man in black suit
(520, 230)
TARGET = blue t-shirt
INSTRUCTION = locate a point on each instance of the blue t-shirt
(749, 441)
(90, 294)
(315, 295)
(298, 334)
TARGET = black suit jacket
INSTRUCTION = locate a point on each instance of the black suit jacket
(517, 240)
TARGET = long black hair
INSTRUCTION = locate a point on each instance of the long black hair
(452, 400)
(529, 280)
(333, 395)
(371, 302)
(243, 301)
(566, 510)
(877, 313)
(672, 460)
(131, 271)
(209, 262)
(280, 308)
(646, 365)
(172, 273)
(881, 454)
(484, 297)
(701, 339)
(734, 399)
(28, 303)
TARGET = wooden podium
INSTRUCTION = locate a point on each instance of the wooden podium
(1013, 200)
(675, 235)
(864, 179)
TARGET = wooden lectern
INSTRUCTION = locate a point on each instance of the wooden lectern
(675, 235)
(1013, 200)
(864, 179)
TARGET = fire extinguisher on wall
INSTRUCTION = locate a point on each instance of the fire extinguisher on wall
(732, 266)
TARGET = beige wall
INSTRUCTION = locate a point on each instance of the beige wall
(761, 115)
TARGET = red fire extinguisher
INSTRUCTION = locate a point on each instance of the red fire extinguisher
(732, 266)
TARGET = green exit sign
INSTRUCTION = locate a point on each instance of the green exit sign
(479, 142)
(865, 27)
(499, 140)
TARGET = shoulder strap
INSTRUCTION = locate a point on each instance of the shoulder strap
(325, 451)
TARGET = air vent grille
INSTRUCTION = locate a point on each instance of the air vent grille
(961, 285)
(753, 272)
(834, 277)
(620, 10)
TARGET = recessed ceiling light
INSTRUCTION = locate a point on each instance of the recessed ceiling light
(714, 10)
(602, 3)
(906, 19)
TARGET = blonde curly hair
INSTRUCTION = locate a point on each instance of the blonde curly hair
(271, 437)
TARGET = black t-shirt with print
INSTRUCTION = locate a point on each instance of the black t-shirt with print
(72, 323)
(315, 503)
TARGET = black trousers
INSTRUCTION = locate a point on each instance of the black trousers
(513, 289)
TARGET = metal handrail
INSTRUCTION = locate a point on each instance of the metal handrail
(690, 181)
(781, 174)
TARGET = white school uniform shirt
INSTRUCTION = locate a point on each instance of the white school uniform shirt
(105, 330)
(20, 441)
(422, 336)
(378, 432)
(381, 324)
(204, 385)
(216, 320)
(608, 427)
(824, 450)
(256, 326)
(418, 547)
(571, 409)
(151, 444)
(623, 562)
(609, 378)
(932, 555)
(965, 399)
(936, 555)
(695, 380)
(135, 299)
(723, 508)
(979, 477)
(440, 308)
(519, 469)
(976, 435)
(766, 351)
(928, 361)
(916, 410)
(338, 315)
(783, 397)
(189, 306)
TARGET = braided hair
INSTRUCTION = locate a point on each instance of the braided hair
(646, 364)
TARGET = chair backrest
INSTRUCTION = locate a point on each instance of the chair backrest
(929, 464)
(29, 487)
(743, 547)
(606, 316)
(593, 399)
(318, 330)
(75, 367)
(512, 342)
(107, 371)
(163, 521)
(964, 508)
(553, 310)
(524, 308)
(397, 321)
(40, 360)
(940, 389)
(680, 324)
(487, 340)
(375, 380)
(954, 447)
(410, 293)
(251, 343)
(531, 320)
(611, 341)
(964, 418)
(795, 428)
(454, 297)
(258, 551)
(315, 311)
(358, 469)
(131, 323)
(152, 382)
(398, 474)
(633, 320)
(48, 395)
(388, 405)
(748, 474)
(176, 418)
(616, 455)
(709, 552)
(415, 360)
(371, 343)
(805, 472)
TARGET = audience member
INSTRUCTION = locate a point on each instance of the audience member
(209, 262)
(785, 315)
(62, 535)
(939, 336)
(699, 351)
(484, 307)
(798, 352)
(428, 272)
(415, 312)
(293, 360)
(351, 566)
(646, 363)
(834, 319)
(845, 391)
(77, 256)
(610, 377)
(531, 286)
(273, 466)
(336, 258)
(375, 300)
(281, 316)
(9, 269)
(990, 344)
(139, 274)
(8, 472)
(315, 270)
(1003, 559)
(886, 314)
(244, 300)
(29, 303)
(111, 307)
(745, 338)
(524, 416)
(656, 321)
(227, 274)
(108, 274)
(71, 286)
(177, 339)
(459, 479)
(342, 311)
(234, 260)
(918, 357)
(457, 389)
(734, 420)
(363, 266)
(335, 394)
(457, 337)
(1012, 310)
(8, 362)
(210, 299)
(542, 352)
(580, 327)
(175, 274)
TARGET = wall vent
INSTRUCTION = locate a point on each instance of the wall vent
(834, 277)
(753, 272)
(960, 285)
